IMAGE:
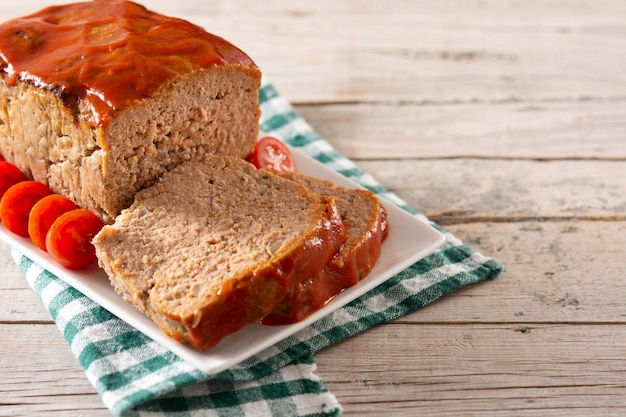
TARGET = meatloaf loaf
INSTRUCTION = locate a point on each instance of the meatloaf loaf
(365, 221)
(98, 99)
(217, 244)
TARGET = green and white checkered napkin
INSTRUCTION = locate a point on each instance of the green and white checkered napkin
(137, 377)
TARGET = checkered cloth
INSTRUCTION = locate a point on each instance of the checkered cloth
(137, 377)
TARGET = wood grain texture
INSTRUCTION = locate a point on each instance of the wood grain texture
(479, 369)
(555, 272)
(40, 376)
(470, 190)
(521, 130)
(502, 121)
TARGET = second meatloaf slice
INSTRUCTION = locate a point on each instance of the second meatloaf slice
(365, 221)
(215, 245)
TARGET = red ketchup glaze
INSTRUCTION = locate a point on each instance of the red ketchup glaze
(318, 290)
(103, 55)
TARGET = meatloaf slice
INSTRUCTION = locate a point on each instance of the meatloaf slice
(365, 221)
(217, 244)
(100, 98)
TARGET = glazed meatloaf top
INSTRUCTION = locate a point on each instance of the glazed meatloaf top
(217, 244)
(98, 99)
(101, 56)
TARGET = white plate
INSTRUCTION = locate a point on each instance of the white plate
(409, 240)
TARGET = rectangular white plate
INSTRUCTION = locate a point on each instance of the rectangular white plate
(409, 240)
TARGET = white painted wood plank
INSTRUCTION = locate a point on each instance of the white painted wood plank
(462, 190)
(529, 130)
(479, 370)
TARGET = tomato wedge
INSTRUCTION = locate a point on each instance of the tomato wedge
(17, 202)
(69, 239)
(44, 213)
(9, 175)
(272, 154)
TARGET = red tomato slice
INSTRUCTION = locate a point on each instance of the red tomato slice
(9, 175)
(69, 239)
(44, 213)
(17, 202)
(270, 153)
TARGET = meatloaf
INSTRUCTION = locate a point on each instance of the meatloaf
(216, 244)
(365, 221)
(98, 99)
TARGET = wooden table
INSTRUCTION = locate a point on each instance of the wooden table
(504, 121)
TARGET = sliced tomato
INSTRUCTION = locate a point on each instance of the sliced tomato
(17, 202)
(43, 214)
(9, 175)
(69, 239)
(272, 154)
